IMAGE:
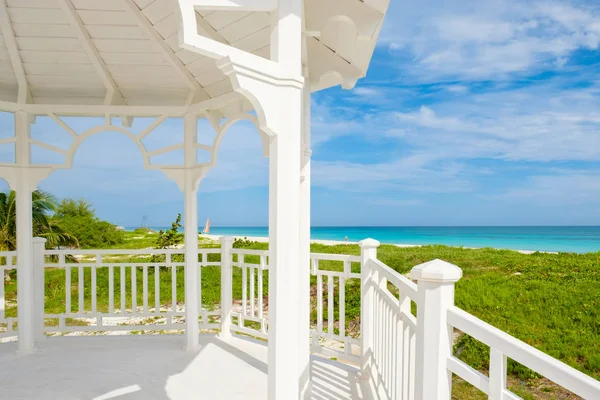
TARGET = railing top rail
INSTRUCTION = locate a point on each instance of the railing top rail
(122, 251)
(7, 253)
(551, 368)
(250, 252)
(405, 285)
(334, 257)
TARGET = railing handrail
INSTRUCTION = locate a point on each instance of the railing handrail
(334, 257)
(542, 363)
(120, 251)
(405, 285)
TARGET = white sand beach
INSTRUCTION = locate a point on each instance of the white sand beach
(263, 239)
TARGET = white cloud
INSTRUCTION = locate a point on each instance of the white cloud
(558, 187)
(491, 39)
(366, 92)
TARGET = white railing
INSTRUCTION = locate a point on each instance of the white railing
(394, 332)
(412, 358)
(502, 345)
(331, 336)
(251, 314)
(135, 298)
(8, 263)
(401, 356)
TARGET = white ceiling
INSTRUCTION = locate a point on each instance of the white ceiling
(77, 51)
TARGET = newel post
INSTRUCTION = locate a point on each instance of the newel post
(226, 285)
(368, 251)
(39, 247)
(436, 281)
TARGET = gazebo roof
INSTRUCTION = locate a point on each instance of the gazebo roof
(126, 52)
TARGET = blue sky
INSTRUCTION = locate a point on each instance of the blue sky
(473, 113)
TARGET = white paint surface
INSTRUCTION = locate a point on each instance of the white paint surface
(154, 367)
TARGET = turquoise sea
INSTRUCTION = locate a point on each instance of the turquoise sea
(575, 239)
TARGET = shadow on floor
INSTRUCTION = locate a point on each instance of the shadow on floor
(154, 367)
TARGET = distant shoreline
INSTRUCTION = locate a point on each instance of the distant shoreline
(262, 239)
(579, 240)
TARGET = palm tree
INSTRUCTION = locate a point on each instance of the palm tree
(44, 204)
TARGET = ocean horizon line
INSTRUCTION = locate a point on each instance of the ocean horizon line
(549, 238)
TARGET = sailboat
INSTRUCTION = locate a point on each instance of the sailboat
(207, 227)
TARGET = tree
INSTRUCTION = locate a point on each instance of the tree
(44, 204)
(79, 218)
(171, 238)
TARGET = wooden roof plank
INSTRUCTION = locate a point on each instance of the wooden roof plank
(245, 26)
(113, 96)
(197, 92)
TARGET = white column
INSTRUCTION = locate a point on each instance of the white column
(304, 278)
(436, 281)
(284, 211)
(23, 189)
(368, 251)
(226, 286)
(39, 248)
(190, 225)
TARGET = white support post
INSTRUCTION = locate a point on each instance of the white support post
(285, 262)
(23, 188)
(192, 268)
(39, 247)
(368, 251)
(226, 286)
(436, 279)
(304, 278)
(284, 266)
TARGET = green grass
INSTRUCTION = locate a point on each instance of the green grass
(550, 301)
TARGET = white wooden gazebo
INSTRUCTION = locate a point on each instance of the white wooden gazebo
(223, 61)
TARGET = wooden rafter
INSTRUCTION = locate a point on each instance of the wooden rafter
(167, 52)
(24, 95)
(113, 95)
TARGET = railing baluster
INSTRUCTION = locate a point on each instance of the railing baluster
(412, 357)
(252, 309)
(2, 300)
(200, 286)
(244, 312)
(342, 283)
(319, 302)
(80, 289)
(94, 283)
(157, 288)
(68, 289)
(174, 288)
(111, 289)
(260, 287)
(145, 284)
(133, 289)
(330, 298)
(123, 293)
(497, 374)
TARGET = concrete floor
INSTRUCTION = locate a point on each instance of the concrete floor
(156, 367)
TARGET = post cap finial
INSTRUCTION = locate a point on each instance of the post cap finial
(226, 239)
(39, 240)
(436, 271)
(369, 244)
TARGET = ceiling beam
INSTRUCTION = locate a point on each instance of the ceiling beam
(234, 5)
(195, 89)
(24, 95)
